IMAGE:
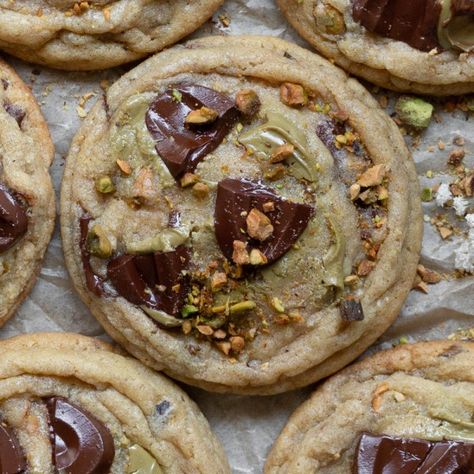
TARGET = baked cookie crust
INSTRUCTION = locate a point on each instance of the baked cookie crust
(71, 35)
(396, 392)
(289, 356)
(142, 411)
(382, 61)
(26, 152)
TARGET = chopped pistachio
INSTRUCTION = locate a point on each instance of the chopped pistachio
(240, 256)
(277, 305)
(218, 280)
(162, 318)
(248, 102)
(224, 347)
(177, 96)
(98, 243)
(372, 176)
(257, 257)
(242, 307)
(205, 329)
(354, 191)
(427, 194)
(268, 206)
(404, 340)
(104, 185)
(237, 343)
(328, 19)
(274, 173)
(200, 190)
(414, 112)
(281, 153)
(293, 95)
(188, 310)
(141, 461)
(202, 116)
(189, 179)
(259, 226)
(124, 167)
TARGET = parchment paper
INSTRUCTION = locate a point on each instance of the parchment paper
(247, 426)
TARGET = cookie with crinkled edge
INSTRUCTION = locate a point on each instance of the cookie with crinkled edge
(408, 403)
(71, 35)
(27, 204)
(75, 403)
(367, 46)
(153, 244)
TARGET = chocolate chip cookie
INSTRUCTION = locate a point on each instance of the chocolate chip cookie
(27, 207)
(406, 410)
(79, 35)
(421, 46)
(72, 404)
(241, 215)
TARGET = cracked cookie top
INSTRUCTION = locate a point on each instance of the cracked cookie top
(230, 216)
(82, 35)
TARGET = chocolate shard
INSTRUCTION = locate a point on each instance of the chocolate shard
(93, 281)
(180, 146)
(414, 22)
(12, 460)
(351, 310)
(15, 111)
(384, 454)
(81, 443)
(13, 219)
(237, 197)
(462, 7)
(153, 280)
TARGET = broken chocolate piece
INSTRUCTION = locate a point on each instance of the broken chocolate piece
(182, 146)
(414, 22)
(235, 200)
(12, 460)
(351, 310)
(93, 281)
(136, 278)
(13, 219)
(81, 443)
(15, 111)
(392, 455)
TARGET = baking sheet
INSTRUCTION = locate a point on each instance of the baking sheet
(247, 426)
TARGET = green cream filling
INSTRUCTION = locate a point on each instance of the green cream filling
(276, 131)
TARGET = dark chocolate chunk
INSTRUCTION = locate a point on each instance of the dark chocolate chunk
(15, 111)
(13, 219)
(81, 443)
(163, 407)
(237, 197)
(392, 455)
(462, 7)
(351, 310)
(414, 22)
(12, 460)
(180, 146)
(138, 277)
(93, 281)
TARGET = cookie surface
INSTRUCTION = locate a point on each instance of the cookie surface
(239, 214)
(27, 206)
(405, 46)
(71, 402)
(71, 35)
(418, 398)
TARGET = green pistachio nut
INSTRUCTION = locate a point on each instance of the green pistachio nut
(328, 19)
(414, 112)
(427, 195)
(242, 307)
(189, 310)
(162, 318)
(141, 461)
(275, 132)
(98, 244)
(166, 241)
(104, 185)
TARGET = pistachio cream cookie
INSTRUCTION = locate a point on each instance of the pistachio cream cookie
(27, 206)
(72, 404)
(421, 46)
(403, 411)
(79, 35)
(241, 215)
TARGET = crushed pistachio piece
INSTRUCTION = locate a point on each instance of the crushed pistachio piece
(205, 329)
(257, 257)
(372, 177)
(240, 254)
(189, 310)
(98, 243)
(104, 185)
(293, 95)
(259, 225)
(218, 280)
(189, 179)
(414, 112)
(177, 96)
(124, 167)
(282, 152)
(237, 343)
(201, 116)
(328, 19)
(200, 190)
(242, 307)
(427, 195)
(248, 102)
(268, 206)
(277, 305)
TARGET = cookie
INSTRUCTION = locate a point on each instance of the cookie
(27, 207)
(404, 410)
(421, 46)
(241, 215)
(73, 404)
(72, 35)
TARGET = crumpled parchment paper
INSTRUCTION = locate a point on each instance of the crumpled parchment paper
(247, 426)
